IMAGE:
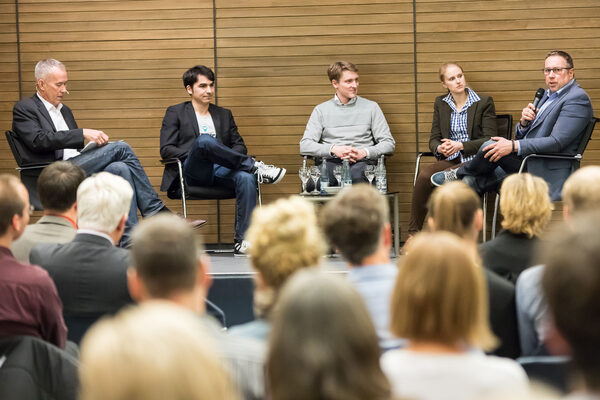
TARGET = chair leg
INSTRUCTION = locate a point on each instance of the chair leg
(495, 218)
(483, 231)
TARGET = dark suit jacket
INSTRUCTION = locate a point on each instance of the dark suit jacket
(559, 129)
(180, 129)
(508, 254)
(481, 123)
(89, 272)
(503, 315)
(43, 143)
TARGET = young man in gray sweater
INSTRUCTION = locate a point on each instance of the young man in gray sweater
(347, 126)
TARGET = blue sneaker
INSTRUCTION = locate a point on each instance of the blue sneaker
(439, 178)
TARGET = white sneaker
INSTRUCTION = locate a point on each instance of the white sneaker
(267, 174)
(241, 248)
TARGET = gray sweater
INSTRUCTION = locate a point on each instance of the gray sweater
(360, 123)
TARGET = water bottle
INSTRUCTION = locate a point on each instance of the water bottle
(324, 177)
(381, 176)
(346, 177)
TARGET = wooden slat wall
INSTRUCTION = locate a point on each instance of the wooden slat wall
(9, 79)
(501, 45)
(126, 58)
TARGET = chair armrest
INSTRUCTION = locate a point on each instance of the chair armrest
(32, 167)
(167, 161)
(418, 163)
(556, 156)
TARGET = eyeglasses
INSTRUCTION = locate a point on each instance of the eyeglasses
(556, 71)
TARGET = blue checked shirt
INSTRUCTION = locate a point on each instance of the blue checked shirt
(458, 123)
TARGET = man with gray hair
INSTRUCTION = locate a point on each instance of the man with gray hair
(90, 272)
(581, 194)
(48, 132)
(357, 224)
(167, 264)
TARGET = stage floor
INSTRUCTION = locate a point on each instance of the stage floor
(228, 264)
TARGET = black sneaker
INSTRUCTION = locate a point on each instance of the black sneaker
(268, 174)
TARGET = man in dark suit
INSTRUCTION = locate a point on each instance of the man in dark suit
(48, 132)
(555, 126)
(90, 272)
(214, 153)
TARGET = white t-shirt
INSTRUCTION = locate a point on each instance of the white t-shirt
(466, 376)
(206, 125)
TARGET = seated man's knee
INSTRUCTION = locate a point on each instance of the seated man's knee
(486, 144)
(245, 179)
(205, 140)
(118, 168)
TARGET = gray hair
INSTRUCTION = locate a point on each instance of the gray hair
(102, 200)
(45, 67)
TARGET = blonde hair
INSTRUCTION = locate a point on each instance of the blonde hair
(581, 191)
(335, 70)
(444, 66)
(154, 351)
(441, 294)
(323, 343)
(285, 237)
(525, 204)
(453, 207)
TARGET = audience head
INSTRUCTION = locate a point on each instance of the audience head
(191, 75)
(525, 204)
(14, 207)
(57, 185)
(335, 70)
(323, 345)
(285, 238)
(571, 285)
(166, 259)
(581, 192)
(455, 207)
(440, 294)
(356, 222)
(103, 202)
(155, 351)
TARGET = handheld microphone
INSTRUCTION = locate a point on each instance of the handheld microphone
(538, 97)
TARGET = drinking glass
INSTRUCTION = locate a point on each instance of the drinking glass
(304, 176)
(315, 173)
(337, 172)
(370, 173)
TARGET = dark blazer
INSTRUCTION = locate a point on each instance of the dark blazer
(559, 129)
(503, 315)
(89, 272)
(481, 124)
(180, 129)
(43, 143)
(508, 254)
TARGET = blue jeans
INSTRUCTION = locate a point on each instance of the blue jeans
(211, 163)
(118, 158)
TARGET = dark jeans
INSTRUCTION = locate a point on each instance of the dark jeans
(422, 191)
(485, 172)
(211, 163)
(118, 158)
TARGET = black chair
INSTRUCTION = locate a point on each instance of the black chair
(576, 158)
(550, 370)
(78, 326)
(29, 172)
(186, 192)
(504, 127)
